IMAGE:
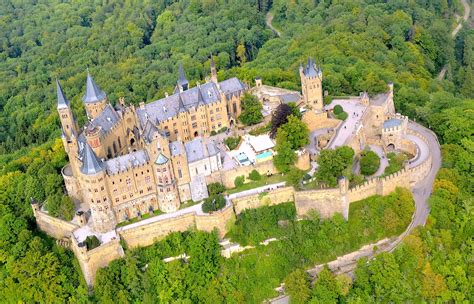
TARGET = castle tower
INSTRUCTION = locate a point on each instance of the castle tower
(93, 176)
(311, 85)
(168, 197)
(213, 71)
(95, 99)
(68, 123)
(182, 83)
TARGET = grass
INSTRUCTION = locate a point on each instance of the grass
(187, 204)
(232, 142)
(137, 219)
(395, 162)
(266, 180)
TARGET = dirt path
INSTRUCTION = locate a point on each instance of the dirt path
(268, 21)
(467, 12)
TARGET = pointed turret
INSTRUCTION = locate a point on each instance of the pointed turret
(91, 164)
(63, 102)
(93, 92)
(213, 70)
(311, 70)
(183, 83)
(181, 107)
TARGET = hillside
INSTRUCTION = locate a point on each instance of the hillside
(133, 49)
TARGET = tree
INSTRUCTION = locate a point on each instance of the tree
(294, 177)
(215, 188)
(297, 286)
(332, 164)
(279, 118)
(60, 206)
(255, 175)
(239, 181)
(285, 156)
(296, 132)
(213, 203)
(251, 110)
(369, 162)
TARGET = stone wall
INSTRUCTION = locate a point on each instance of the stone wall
(227, 177)
(326, 202)
(91, 260)
(52, 226)
(274, 197)
(145, 235)
(221, 220)
(316, 121)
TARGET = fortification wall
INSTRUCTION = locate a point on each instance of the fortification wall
(274, 197)
(53, 226)
(365, 190)
(326, 202)
(145, 235)
(227, 177)
(316, 121)
(91, 260)
(220, 219)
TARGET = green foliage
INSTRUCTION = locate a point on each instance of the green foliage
(333, 164)
(60, 206)
(285, 157)
(254, 175)
(232, 142)
(369, 162)
(260, 130)
(215, 188)
(395, 162)
(295, 132)
(251, 110)
(338, 109)
(255, 225)
(239, 181)
(213, 203)
(294, 177)
(92, 242)
(298, 286)
(342, 116)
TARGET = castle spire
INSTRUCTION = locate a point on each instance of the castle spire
(183, 83)
(213, 70)
(93, 92)
(91, 164)
(62, 100)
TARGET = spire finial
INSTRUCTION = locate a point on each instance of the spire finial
(62, 100)
(93, 92)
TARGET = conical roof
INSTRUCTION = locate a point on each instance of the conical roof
(91, 164)
(182, 76)
(311, 70)
(93, 92)
(62, 100)
(161, 159)
(181, 107)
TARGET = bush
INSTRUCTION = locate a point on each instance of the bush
(232, 142)
(338, 109)
(342, 116)
(294, 177)
(369, 163)
(215, 188)
(395, 162)
(60, 206)
(261, 130)
(92, 242)
(213, 203)
(254, 175)
(239, 181)
(251, 110)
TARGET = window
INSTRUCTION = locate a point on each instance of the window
(175, 131)
(212, 118)
(195, 125)
(117, 200)
(147, 179)
(180, 174)
(211, 112)
(217, 110)
(149, 188)
(115, 191)
(193, 117)
(196, 170)
(141, 191)
(129, 182)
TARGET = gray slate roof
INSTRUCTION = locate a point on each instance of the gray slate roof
(290, 97)
(127, 161)
(182, 81)
(91, 164)
(198, 149)
(311, 70)
(149, 131)
(106, 120)
(62, 100)
(93, 92)
(176, 148)
(392, 122)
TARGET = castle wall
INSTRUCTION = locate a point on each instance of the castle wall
(274, 197)
(99, 257)
(53, 226)
(316, 121)
(227, 177)
(221, 220)
(326, 202)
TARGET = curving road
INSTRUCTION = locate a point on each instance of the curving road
(268, 21)
(467, 12)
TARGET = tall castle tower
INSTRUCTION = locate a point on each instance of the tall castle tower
(311, 85)
(95, 100)
(96, 193)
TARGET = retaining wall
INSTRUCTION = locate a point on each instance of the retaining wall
(274, 197)
(53, 226)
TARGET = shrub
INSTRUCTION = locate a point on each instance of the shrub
(213, 203)
(254, 175)
(232, 142)
(338, 109)
(92, 242)
(213, 133)
(239, 181)
(215, 188)
(294, 177)
(369, 163)
(342, 116)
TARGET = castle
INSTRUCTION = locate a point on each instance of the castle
(128, 161)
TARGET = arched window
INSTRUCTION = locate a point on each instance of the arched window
(115, 148)
(120, 143)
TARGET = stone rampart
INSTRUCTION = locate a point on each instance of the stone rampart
(53, 226)
(274, 197)
(147, 234)
(326, 202)
(221, 220)
(99, 257)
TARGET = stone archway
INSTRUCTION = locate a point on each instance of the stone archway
(196, 134)
(390, 147)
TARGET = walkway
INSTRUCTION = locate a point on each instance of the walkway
(383, 160)
(355, 111)
(268, 21)
(467, 12)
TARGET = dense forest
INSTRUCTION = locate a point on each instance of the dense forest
(133, 49)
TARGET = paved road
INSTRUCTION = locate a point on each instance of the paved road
(268, 21)
(421, 193)
(467, 12)
(383, 160)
